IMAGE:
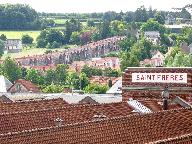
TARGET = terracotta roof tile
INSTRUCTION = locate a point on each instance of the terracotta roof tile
(10, 107)
(132, 129)
(40, 118)
(27, 84)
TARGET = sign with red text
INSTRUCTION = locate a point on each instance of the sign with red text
(159, 77)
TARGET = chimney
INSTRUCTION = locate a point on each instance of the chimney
(58, 122)
(165, 96)
(165, 104)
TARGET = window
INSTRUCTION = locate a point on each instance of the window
(18, 87)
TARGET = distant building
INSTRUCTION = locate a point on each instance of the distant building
(102, 63)
(157, 60)
(13, 45)
(152, 36)
(23, 86)
(185, 48)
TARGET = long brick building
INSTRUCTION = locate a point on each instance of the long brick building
(91, 50)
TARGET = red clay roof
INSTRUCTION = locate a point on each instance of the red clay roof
(10, 107)
(27, 84)
(132, 129)
(25, 120)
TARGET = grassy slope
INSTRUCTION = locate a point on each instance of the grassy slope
(31, 52)
(18, 34)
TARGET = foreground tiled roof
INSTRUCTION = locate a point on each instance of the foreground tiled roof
(157, 105)
(10, 107)
(26, 120)
(132, 129)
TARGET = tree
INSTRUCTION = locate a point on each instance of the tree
(18, 16)
(50, 77)
(127, 43)
(61, 73)
(34, 76)
(2, 47)
(185, 14)
(3, 37)
(84, 80)
(52, 37)
(159, 18)
(105, 29)
(11, 70)
(53, 89)
(90, 23)
(75, 38)
(152, 25)
(141, 14)
(96, 88)
(26, 39)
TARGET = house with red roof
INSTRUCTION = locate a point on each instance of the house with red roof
(23, 86)
(157, 60)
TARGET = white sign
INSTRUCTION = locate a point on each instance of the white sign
(159, 77)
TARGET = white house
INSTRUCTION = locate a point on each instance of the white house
(13, 45)
(152, 36)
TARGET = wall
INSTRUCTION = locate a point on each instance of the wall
(153, 90)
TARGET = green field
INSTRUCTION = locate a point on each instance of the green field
(32, 51)
(18, 34)
(60, 21)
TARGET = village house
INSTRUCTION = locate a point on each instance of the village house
(102, 63)
(157, 60)
(23, 86)
(187, 49)
(13, 45)
(152, 36)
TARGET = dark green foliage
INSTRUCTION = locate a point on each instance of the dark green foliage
(11, 70)
(111, 73)
(18, 16)
(3, 37)
(96, 88)
(26, 39)
(91, 71)
(50, 39)
(2, 46)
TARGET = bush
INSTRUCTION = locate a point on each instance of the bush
(26, 39)
(96, 89)
(53, 89)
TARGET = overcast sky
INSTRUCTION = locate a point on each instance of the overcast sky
(82, 6)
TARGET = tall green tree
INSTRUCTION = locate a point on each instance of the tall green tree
(26, 39)
(2, 47)
(11, 70)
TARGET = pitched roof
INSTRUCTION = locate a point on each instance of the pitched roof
(116, 88)
(173, 126)
(11, 107)
(27, 84)
(41, 118)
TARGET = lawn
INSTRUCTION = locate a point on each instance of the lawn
(60, 21)
(18, 34)
(32, 51)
